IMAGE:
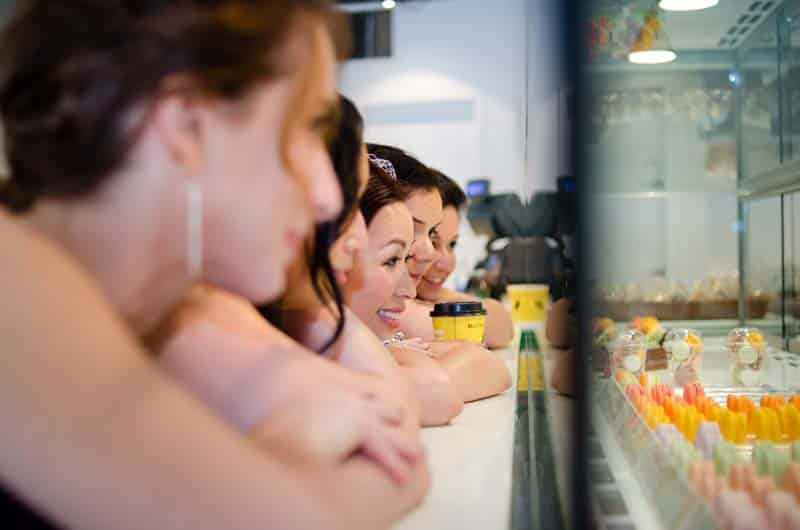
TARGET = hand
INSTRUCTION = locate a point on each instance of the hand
(415, 345)
(335, 427)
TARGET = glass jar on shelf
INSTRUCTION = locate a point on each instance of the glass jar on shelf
(684, 348)
(747, 351)
(628, 354)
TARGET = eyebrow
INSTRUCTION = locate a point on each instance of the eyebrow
(396, 242)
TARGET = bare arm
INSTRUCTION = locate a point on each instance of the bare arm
(416, 320)
(439, 398)
(499, 327)
(97, 437)
(476, 372)
(235, 361)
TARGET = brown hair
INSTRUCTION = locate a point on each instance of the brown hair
(72, 72)
(451, 192)
(381, 191)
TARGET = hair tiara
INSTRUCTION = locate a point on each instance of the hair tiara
(384, 164)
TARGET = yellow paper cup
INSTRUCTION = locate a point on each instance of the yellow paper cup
(462, 321)
(528, 302)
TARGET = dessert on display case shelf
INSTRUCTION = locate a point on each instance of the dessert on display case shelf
(729, 454)
(747, 351)
(684, 349)
(715, 297)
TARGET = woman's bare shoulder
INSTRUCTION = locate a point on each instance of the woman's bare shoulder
(34, 266)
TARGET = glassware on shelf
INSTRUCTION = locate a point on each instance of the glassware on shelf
(684, 348)
(628, 353)
(747, 351)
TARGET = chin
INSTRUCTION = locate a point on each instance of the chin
(380, 329)
(259, 285)
(428, 291)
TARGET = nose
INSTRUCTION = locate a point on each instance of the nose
(322, 188)
(423, 251)
(441, 264)
(406, 288)
(446, 262)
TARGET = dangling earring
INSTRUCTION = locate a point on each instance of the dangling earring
(194, 229)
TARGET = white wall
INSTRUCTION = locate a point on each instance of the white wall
(454, 94)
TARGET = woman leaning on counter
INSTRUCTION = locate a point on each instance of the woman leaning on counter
(431, 289)
(151, 145)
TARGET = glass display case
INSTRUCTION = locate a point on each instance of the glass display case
(694, 170)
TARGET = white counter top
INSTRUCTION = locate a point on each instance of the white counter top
(471, 462)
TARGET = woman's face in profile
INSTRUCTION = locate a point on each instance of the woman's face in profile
(426, 212)
(381, 284)
(269, 177)
(430, 287)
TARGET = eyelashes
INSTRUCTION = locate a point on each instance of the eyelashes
(392, 263)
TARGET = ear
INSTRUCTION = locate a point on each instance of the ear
(178, 119)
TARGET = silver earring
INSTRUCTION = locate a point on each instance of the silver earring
(194, 229)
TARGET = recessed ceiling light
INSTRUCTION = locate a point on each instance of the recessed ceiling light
(652, 56)
(686, 5)
(388, 4)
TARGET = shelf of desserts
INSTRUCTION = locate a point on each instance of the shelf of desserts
(724, 455)
(657, 338)
(714, 298)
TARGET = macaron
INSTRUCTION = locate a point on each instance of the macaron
(763, 422)
(737, 512)
(706, 437)
(782, 511)
(733, 425)
(789, 417)
(667, 433)
(691, 391)
(705, 479)
(791, 480)
(769, 460)
(683, 454)
(795, 450)
(724, 457)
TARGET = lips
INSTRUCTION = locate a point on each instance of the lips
(390, 317)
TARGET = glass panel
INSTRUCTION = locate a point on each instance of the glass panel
(788, 27)
(757, 76)
(791, 306)
(663, 158)
(763, 266)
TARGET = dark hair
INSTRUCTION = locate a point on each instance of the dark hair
(72, 72)
(412, 175)
(451, 192)
(345, 151)
(382, 190)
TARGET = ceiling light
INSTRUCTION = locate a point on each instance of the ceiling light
(686, 5)
(652, 56)
(388, 4)
(652, 46)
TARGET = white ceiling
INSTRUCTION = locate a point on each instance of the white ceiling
(702, 30)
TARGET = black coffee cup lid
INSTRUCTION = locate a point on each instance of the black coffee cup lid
(450, 309)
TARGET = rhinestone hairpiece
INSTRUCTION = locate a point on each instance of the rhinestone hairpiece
(384, 164)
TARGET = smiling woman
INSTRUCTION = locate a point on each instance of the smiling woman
(423, 201)
(384, 284)
(153, 145)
